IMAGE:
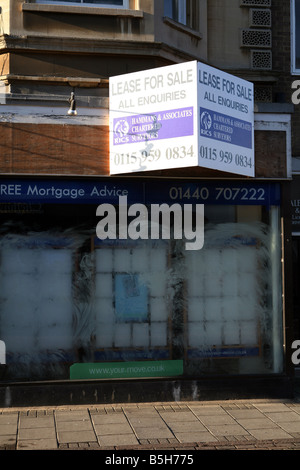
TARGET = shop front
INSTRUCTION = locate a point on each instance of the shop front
(77, 309)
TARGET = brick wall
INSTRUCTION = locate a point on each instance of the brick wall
(50, 149)
(53, 149)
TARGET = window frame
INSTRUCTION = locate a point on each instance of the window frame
(184, 14)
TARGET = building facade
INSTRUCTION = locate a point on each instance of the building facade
(140, 319)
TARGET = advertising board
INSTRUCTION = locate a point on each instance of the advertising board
(181, 115)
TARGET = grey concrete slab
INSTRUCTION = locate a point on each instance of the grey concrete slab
(196, 437)
(29, 422)
(246, 414)
(119, 440)
(270, 433)
(144, 421)
(9, 418)
(6, 429)
(280, 417)
(292, 427)
(257, 423)
(227, 430)
(39, 444)
(205, 410)
(74, 426)
(72, 415)
(153, 433)
(186, 426)
(36, 433)
(66, 437)
(178, 416)
(8, 439)
(113, 428)
(217, 419)
(140, 409)
(112, 418)
(269, 407)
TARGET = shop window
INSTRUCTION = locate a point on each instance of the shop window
(295, 46)
(67, 297)
(185, 12)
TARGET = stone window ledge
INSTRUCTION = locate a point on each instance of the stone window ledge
(181, 27)
(80, 9)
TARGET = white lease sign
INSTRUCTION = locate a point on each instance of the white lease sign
(182, 115)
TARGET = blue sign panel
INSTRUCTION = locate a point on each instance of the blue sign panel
(143, 191)
(154, 126)
(69, 191)
(202, 192)
(225, 128)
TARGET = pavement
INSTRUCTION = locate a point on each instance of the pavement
(267, 424)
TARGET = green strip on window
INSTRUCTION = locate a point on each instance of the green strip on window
(114, 370)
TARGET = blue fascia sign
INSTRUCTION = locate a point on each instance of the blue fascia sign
(98, 191)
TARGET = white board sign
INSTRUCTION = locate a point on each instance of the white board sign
(182, 115)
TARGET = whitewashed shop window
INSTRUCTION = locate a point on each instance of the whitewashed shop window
(295, 38)
(36, 320)
(131, 302)
(185, 12)
(233, 308)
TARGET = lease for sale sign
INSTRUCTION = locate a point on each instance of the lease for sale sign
(183, 115)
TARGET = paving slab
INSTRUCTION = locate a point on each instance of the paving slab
(113, 429)
(98, 418)
(73, 425)
(269, 407)
(29, 422)
(8, 439)
(195, 437)
(6, 429)
(292, 427)
(227, 430)
(270, 433)
(9, 419)
(119, 440)
(153, 432)
(257, 423)
(36, 433)
(178, 416)
(68, 415)
(186, 426)
(280, 417)
(65, 437)
(208, 410)
(39, 444)
(217, 420)
(246, 414)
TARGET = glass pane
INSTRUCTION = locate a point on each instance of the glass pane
(233, 304)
